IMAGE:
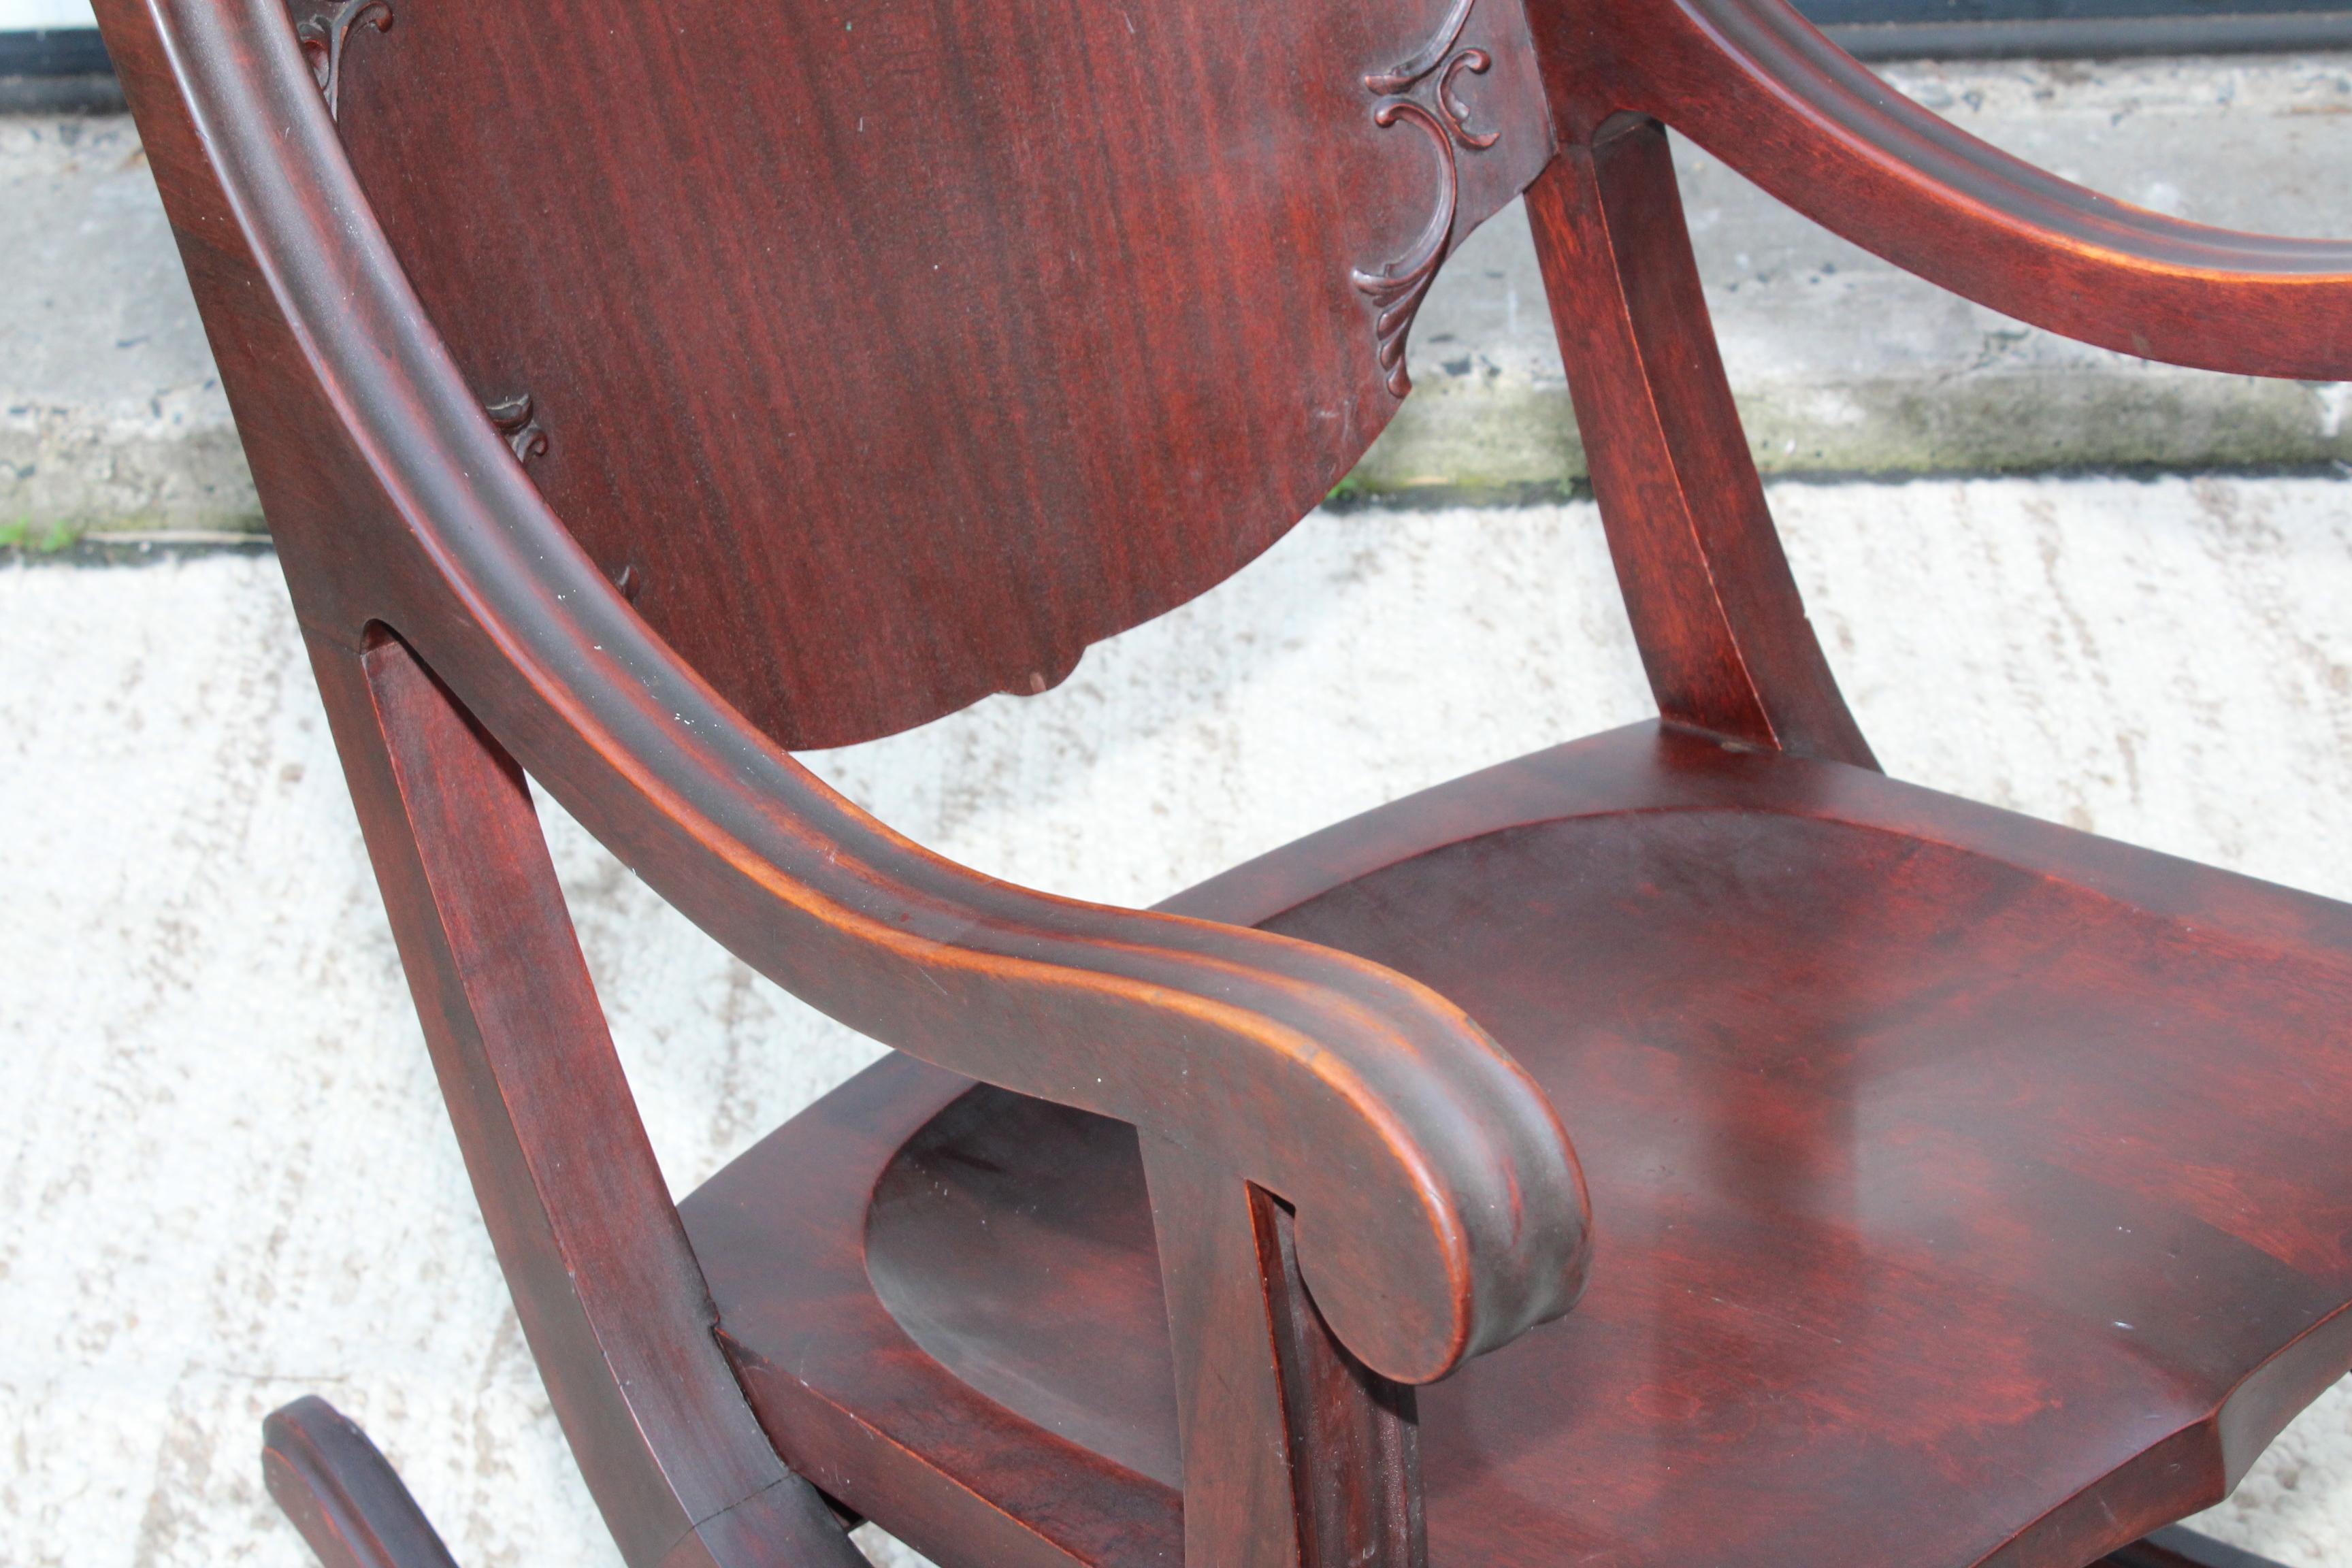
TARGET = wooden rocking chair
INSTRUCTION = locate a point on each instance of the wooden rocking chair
(639, 390)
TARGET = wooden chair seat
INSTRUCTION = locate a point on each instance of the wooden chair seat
(1965, 1189)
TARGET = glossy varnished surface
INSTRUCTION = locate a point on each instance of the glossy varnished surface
(1438, 1209)
(1065, 1190)
(899, 350)
(1939, 1227)
(856, 1405)
(1967, 1188)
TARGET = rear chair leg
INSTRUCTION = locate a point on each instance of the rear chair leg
(611, 1298)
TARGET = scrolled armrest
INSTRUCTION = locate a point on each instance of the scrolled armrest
(1438, 1207)
(1763, 89)
(1440, 1210)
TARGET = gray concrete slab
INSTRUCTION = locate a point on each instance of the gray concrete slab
(111, 417)
(110, 414)
(1845, 364)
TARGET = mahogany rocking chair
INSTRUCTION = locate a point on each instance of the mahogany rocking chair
(639, 390)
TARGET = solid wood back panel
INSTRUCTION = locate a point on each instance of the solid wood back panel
(889, 351)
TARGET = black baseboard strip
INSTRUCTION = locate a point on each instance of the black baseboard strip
(2094, 38)
(62, 95)
(66, 70)
(57, 70)
(2176, 1547)
(54, 51)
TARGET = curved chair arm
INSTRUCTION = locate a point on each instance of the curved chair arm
(1762, 88)
(1439, 1209)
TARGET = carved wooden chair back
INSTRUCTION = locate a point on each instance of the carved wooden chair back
(889, 354)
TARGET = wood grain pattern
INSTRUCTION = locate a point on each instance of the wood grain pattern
(1716, 613)
(414, 516)
(611, 1301)
(1294, 1455)
(1221, 1272)
(1355, 1437)
(828, 299)
(1897, 1263)
(945, 1461)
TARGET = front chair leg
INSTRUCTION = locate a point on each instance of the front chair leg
(341, 1493)
(1296, 1455)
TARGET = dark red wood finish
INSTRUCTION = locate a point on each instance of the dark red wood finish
(1722, 631)
(1955, 1207)
(1759, 87)
(611, 1301)
(967, 334)
(1439, 1210)
(637, 392)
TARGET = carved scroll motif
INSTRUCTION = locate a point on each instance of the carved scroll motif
(512, 416)
(323, 36)
(1422, 92)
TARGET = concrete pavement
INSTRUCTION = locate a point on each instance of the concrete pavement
(1843, 365)
(110, 417)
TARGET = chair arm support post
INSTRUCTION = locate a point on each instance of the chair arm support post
(1331, 1476)
(609, 1293)
(1240, 1511)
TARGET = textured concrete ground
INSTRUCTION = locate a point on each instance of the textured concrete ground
(224, 1177)
(111, 417)
(1844, 365)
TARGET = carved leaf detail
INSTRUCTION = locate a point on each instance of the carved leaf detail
(324, 35)
(512, 416)
(1421, 91)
